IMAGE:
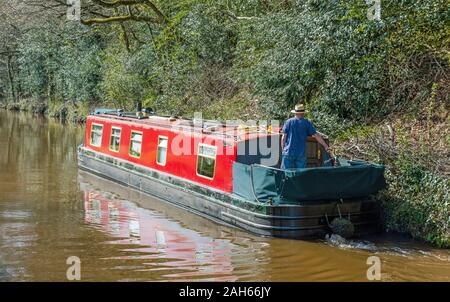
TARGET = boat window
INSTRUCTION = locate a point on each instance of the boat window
(206, 160)
(114, 141)
(96, 135)
(135, 144)
(161, 153)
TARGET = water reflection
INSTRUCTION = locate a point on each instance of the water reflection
(163, 243)
(178, 244)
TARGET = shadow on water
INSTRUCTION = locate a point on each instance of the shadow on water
(49, 211)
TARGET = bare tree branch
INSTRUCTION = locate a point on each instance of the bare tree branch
(118, 19)
(161, 18)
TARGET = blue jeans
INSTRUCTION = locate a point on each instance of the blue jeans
(293, 162)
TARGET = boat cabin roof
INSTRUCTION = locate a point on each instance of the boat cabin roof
(233, 132)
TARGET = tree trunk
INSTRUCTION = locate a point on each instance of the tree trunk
(10, 77)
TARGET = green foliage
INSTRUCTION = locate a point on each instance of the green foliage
(319, 52)
(125, 76)
(60, 63)
(325, 53)
(192, 74)
(329, 53)
(204, 32)
(418, 203)
(415, 154)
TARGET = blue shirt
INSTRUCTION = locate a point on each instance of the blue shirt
(297, 131)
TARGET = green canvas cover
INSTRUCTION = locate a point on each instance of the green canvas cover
(255, 180)
(350, 180)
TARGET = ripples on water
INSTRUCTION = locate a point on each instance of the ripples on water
(50, 211)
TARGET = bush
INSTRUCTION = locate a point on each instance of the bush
(329, 53)
(319, 51)
(417, 202)
(60, 62)
(415, 153)
(126, 76)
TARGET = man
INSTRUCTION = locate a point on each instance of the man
(295, 133)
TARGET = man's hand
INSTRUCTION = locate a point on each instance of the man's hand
(321, 141)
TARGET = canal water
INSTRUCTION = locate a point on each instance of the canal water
(50, 211)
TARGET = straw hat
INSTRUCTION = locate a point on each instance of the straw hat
(299, 108)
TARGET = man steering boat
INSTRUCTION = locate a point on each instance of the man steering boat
(293, 141)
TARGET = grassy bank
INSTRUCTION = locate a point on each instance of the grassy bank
(28, 105)
(416, 154)
(66, 111)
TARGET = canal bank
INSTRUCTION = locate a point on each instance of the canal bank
(64, 111)
(50, 211)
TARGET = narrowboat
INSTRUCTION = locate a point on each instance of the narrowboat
(229, 172)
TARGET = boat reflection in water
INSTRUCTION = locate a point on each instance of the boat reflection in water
(152, 225)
